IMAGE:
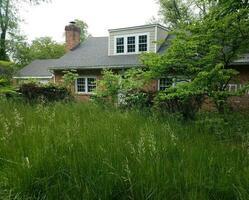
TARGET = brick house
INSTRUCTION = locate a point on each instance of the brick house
(119, 51)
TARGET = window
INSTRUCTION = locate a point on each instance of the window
(81, 82)
(91, 84)
(85, 84)
(120, 45)
(142, 43)
(131, 44)
(164, 83)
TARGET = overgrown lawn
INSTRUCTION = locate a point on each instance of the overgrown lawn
(81, 151)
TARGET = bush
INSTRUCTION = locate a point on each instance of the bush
(184, 98)
(33, 92)
(136, 99)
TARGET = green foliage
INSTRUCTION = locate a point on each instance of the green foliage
(175, 12)
(40, 48)
(118, 89)
(184, 98)
(9, 20)
(109, 86)
(69, 78)
(7, 69)
(36, 93)
(79, 151)
(202, 51)
(6, 88)
(83, 29)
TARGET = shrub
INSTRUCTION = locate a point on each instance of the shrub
(184, 98)
(6, 69)
(5, 87)
(123, 90)
(33, 92)
(136, 99)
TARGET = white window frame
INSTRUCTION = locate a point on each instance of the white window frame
(124, 44)
(136, 43)
(86, 84)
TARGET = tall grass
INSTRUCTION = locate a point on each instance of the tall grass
(80, 151)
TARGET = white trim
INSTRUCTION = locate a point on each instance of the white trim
(156, 37)
(101, 67)
(33, 77)
(136, 43)
(109, 46)
(86, 84)
(138, 27)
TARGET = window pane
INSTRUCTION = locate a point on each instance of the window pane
(142, 43)
(120, 41)
(142, 47)
(120, 45)
(142, 39)
(91, 84)
(131, 48)
(131, 40)
(120, 49)
(81, 85)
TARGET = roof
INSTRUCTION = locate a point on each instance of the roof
(36, 69)
(93, 53)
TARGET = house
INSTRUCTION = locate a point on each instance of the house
(37, 70)
(119, 51)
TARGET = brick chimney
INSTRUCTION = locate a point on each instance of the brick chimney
(72, 36)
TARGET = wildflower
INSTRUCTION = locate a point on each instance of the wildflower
(141, 144)
(151, 143)
(27, 163)
(18, 118)
(173, 137)
(131, 147)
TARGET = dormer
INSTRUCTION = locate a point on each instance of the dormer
(136, 39)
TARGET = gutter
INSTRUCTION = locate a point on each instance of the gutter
(33, 77)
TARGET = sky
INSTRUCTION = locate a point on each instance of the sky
(49, 19)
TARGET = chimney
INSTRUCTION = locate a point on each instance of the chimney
(72, 36)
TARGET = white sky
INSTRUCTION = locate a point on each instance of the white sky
(49, 19)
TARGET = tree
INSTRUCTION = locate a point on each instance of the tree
(83, 29)
(40, 48)
(9, 22)
(202, 52)
(174, 12)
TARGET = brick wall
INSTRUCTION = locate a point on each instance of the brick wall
(235, 102)
(241, 103)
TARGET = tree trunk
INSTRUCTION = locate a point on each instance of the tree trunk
(3, 53)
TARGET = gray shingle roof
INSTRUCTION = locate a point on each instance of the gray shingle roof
(37, 68)
(93, 53)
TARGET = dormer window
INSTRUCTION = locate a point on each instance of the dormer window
(142, 43)
(120, 45)
(132, 44)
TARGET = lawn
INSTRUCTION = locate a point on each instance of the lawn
(82, 151)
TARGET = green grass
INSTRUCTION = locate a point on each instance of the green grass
(80, 151)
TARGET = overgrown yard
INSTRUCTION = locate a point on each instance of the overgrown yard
(81, 151)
